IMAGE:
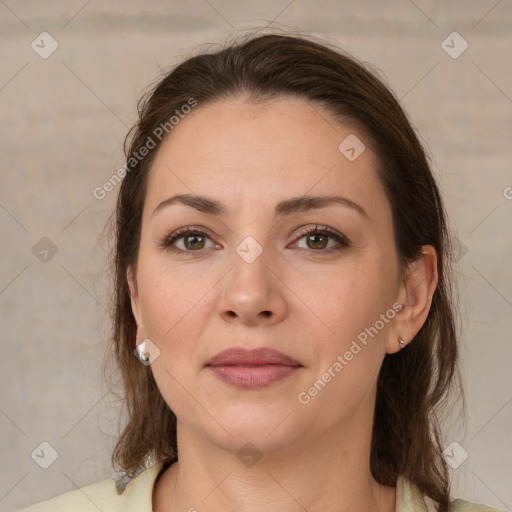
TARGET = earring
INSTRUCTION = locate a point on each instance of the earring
(142, 353)
(401, 342)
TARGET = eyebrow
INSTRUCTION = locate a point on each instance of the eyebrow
(295, 204)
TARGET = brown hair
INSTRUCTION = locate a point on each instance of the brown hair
(413, 384)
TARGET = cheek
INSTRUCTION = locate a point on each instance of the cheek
(167, 308)
(350, 352)
(170, 296)
(352, 299)
(356, 310)
(173, 308)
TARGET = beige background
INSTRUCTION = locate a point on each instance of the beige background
(63, 120)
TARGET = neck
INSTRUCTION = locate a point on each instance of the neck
(324, 470)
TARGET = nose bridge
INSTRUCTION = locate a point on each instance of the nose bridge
(251, 234)
(251, 264)
(252, 289)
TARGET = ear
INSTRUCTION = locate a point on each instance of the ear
(415, 295)
(134, 298)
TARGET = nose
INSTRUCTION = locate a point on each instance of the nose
(252, 293)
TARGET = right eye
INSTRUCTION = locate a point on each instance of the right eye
(193, 240)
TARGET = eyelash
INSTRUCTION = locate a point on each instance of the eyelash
(168, 241)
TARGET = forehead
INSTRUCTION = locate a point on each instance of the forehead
(264, 152)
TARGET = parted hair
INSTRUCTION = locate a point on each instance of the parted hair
(415, 384)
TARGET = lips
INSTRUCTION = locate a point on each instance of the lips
(256, 357)
(252, 369)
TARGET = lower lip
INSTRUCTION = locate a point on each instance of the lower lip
(253, 377)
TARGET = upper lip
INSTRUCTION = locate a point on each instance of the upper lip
(238, 356)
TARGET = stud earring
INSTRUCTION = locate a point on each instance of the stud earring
(142, 353)
(401, 342)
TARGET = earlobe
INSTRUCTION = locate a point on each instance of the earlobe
(416, 295)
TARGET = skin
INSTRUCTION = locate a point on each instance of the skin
(250, 157)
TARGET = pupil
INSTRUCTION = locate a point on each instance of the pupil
(195, 238)
(316, 236)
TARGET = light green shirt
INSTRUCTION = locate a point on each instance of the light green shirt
(137, 496)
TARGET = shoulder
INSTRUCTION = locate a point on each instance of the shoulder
(410, 499)
(100, 495)
(460, 505)
(137, 496)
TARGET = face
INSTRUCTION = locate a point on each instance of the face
(252, 275)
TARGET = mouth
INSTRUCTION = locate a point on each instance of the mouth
(252, 369)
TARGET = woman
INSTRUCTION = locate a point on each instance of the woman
(282, 274)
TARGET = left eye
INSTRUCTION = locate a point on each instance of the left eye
(317, 239)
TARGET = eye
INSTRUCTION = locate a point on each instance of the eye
(194, 240)
(317, 239)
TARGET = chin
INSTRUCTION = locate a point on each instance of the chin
(267, 428)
